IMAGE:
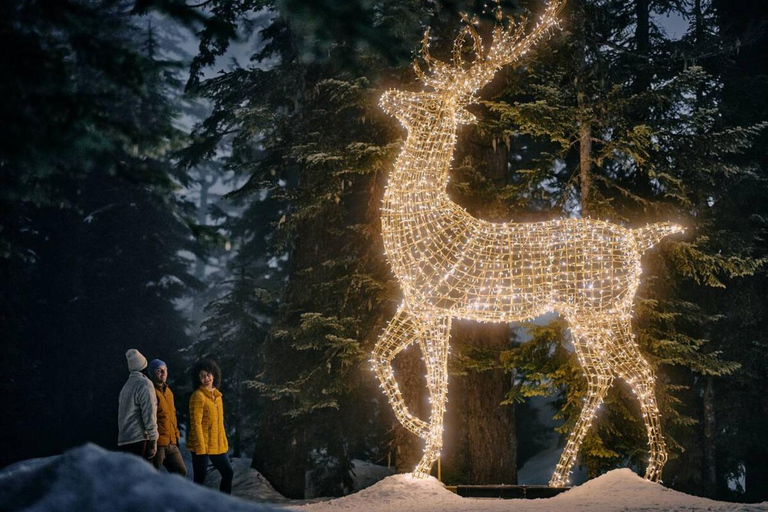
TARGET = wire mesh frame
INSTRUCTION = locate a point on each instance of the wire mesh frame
(452, 265)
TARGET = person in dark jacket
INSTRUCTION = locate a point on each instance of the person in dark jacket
(207, 439)
(137, 410)
(168, 434)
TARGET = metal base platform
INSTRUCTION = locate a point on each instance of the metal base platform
(506, 492)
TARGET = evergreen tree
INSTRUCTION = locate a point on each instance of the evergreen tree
(92, 228)
(236, 326)
(242, 300)
(629, 150)
(309, 131)
(740, 402)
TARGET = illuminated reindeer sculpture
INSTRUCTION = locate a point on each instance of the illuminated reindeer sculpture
(452, 265)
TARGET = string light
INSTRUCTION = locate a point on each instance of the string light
(452, 265)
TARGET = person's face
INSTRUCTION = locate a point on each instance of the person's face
(161, 375)
(206, 378)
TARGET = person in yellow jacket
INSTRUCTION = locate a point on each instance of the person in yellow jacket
(207, 439)
(168, 434)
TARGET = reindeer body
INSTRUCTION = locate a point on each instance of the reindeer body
(497, 272)
(452, 265)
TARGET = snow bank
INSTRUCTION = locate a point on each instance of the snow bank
(91, 479)
(622, 489)
(396, 493)
(619, 490)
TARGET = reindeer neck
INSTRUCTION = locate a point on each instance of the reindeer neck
(421, 170)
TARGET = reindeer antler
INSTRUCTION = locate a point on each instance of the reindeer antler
(508, 44)
(511, 43)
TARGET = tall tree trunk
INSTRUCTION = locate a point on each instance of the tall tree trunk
(199, 300)
(281, 454)
(202, 218)
(710, 460)
(455, 453)
(585, 123)
(484, 430)
(585, 159)
(709, 471)
(642, 45)
(491, 439)
(237, 446)
(756, 475)
(643, 70)
(698, 14)
(698, 20)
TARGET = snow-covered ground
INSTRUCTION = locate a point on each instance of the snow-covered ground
(91, 479)
(618, 490)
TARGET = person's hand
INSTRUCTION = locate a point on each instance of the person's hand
(152, 448)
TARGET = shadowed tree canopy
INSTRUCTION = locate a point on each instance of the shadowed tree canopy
(92, 229)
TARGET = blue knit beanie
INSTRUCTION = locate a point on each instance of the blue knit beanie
(154, 365)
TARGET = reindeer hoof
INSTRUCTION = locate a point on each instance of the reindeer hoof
(653, 473)
(558, 481)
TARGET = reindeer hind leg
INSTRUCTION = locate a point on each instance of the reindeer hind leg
(629, 364)
(586, 341)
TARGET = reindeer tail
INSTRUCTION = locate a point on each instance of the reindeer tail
(652, 234)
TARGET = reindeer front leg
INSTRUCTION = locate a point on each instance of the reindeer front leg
(401, 331)
(434, 345)
(432, 335)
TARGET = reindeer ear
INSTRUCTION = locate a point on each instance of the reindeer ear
(464, 116)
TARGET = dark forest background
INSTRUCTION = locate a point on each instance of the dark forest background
(204, 179)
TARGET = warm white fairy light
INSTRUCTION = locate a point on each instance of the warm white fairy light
(452, 265)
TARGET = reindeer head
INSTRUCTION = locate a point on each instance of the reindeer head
(456, 83)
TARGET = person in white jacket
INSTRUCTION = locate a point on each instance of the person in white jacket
(137, 411)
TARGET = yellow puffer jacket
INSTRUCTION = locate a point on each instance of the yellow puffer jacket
(168, 430)
(206, 419)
